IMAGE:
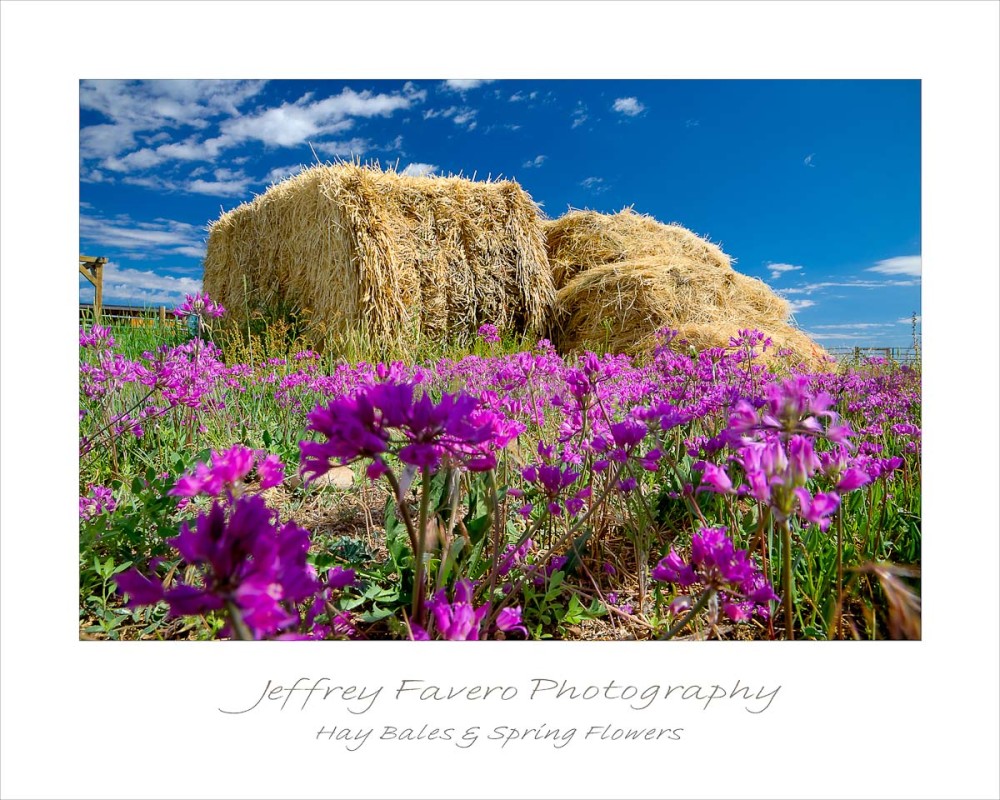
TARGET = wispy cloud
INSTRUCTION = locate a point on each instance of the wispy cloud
(158, 238)
(777, 270)
(418, 169)
(537, 161)
(230, 188)
(692, 123)
(798, 305)
(464, 85)
(345, 147)
(149, 107)
(171, 118)
(579, 115)
(811, 288)
(281, 173)
(908, 320)
(901, 265)
(460, 115)
(833, 337)
(850, 326)
(594, 184)
(629, 106)
(808, 160)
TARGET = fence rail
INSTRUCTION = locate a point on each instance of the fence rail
(901, 355)
(136, 316)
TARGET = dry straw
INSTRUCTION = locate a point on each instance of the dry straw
(580, 240)
(622, 277)
(361, 251)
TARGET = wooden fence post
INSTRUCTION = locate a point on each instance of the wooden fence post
(163, 315)
(93, 270)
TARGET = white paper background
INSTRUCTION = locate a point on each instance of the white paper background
(141, 720)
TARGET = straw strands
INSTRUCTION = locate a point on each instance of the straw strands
(361, 251)
(622, 277)
(579, 240)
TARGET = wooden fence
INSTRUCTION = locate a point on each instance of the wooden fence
(136, 316)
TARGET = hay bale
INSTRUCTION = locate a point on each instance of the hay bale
(581, 240)
(619, 307)
(358, 251)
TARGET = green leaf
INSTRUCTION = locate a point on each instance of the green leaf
(477, 520)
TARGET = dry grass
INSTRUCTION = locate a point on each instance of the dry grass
(357, 250)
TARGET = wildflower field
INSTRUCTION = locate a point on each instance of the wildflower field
(243, 486)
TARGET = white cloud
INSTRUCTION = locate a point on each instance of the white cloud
(594, 184)
(630, 106)
(417, 169)
(901, 265)
(126, 285)
(161, 237)
(103, 141)
(811, 288)
(832, 337)
(464, 85)
(517, 97)
(909, 320)
(777, 270)
(579, 115)
(294, 123)
(798, 305)
(150, 106)
(280, 173)
(217, 188)
(348, 147)
(808, 160)
(459, 115)
(692, 123)
(850, 326)
(537, 161)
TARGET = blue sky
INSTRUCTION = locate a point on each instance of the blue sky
(812, 186)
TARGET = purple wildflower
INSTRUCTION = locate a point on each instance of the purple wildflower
(246, 561)
(457, 620)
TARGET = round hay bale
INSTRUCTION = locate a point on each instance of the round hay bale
(620, 307)
(581, 240)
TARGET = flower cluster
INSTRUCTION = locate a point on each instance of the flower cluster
(98, 337)
(98, 500)
(392, 418)
(459, 620)
(199, 305)
(227, 471)
(247, 564)
(717, 566)
(489, 334)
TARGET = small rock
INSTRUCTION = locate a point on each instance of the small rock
(337, 477)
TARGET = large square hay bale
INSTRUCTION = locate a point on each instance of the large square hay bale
(358, 251)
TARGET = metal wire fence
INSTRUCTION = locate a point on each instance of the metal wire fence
(900, 355)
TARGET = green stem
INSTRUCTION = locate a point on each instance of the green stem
(239, 626)
(786, 558)
(417, 612)
(492, 481)
(840, 576)
(698, 606)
